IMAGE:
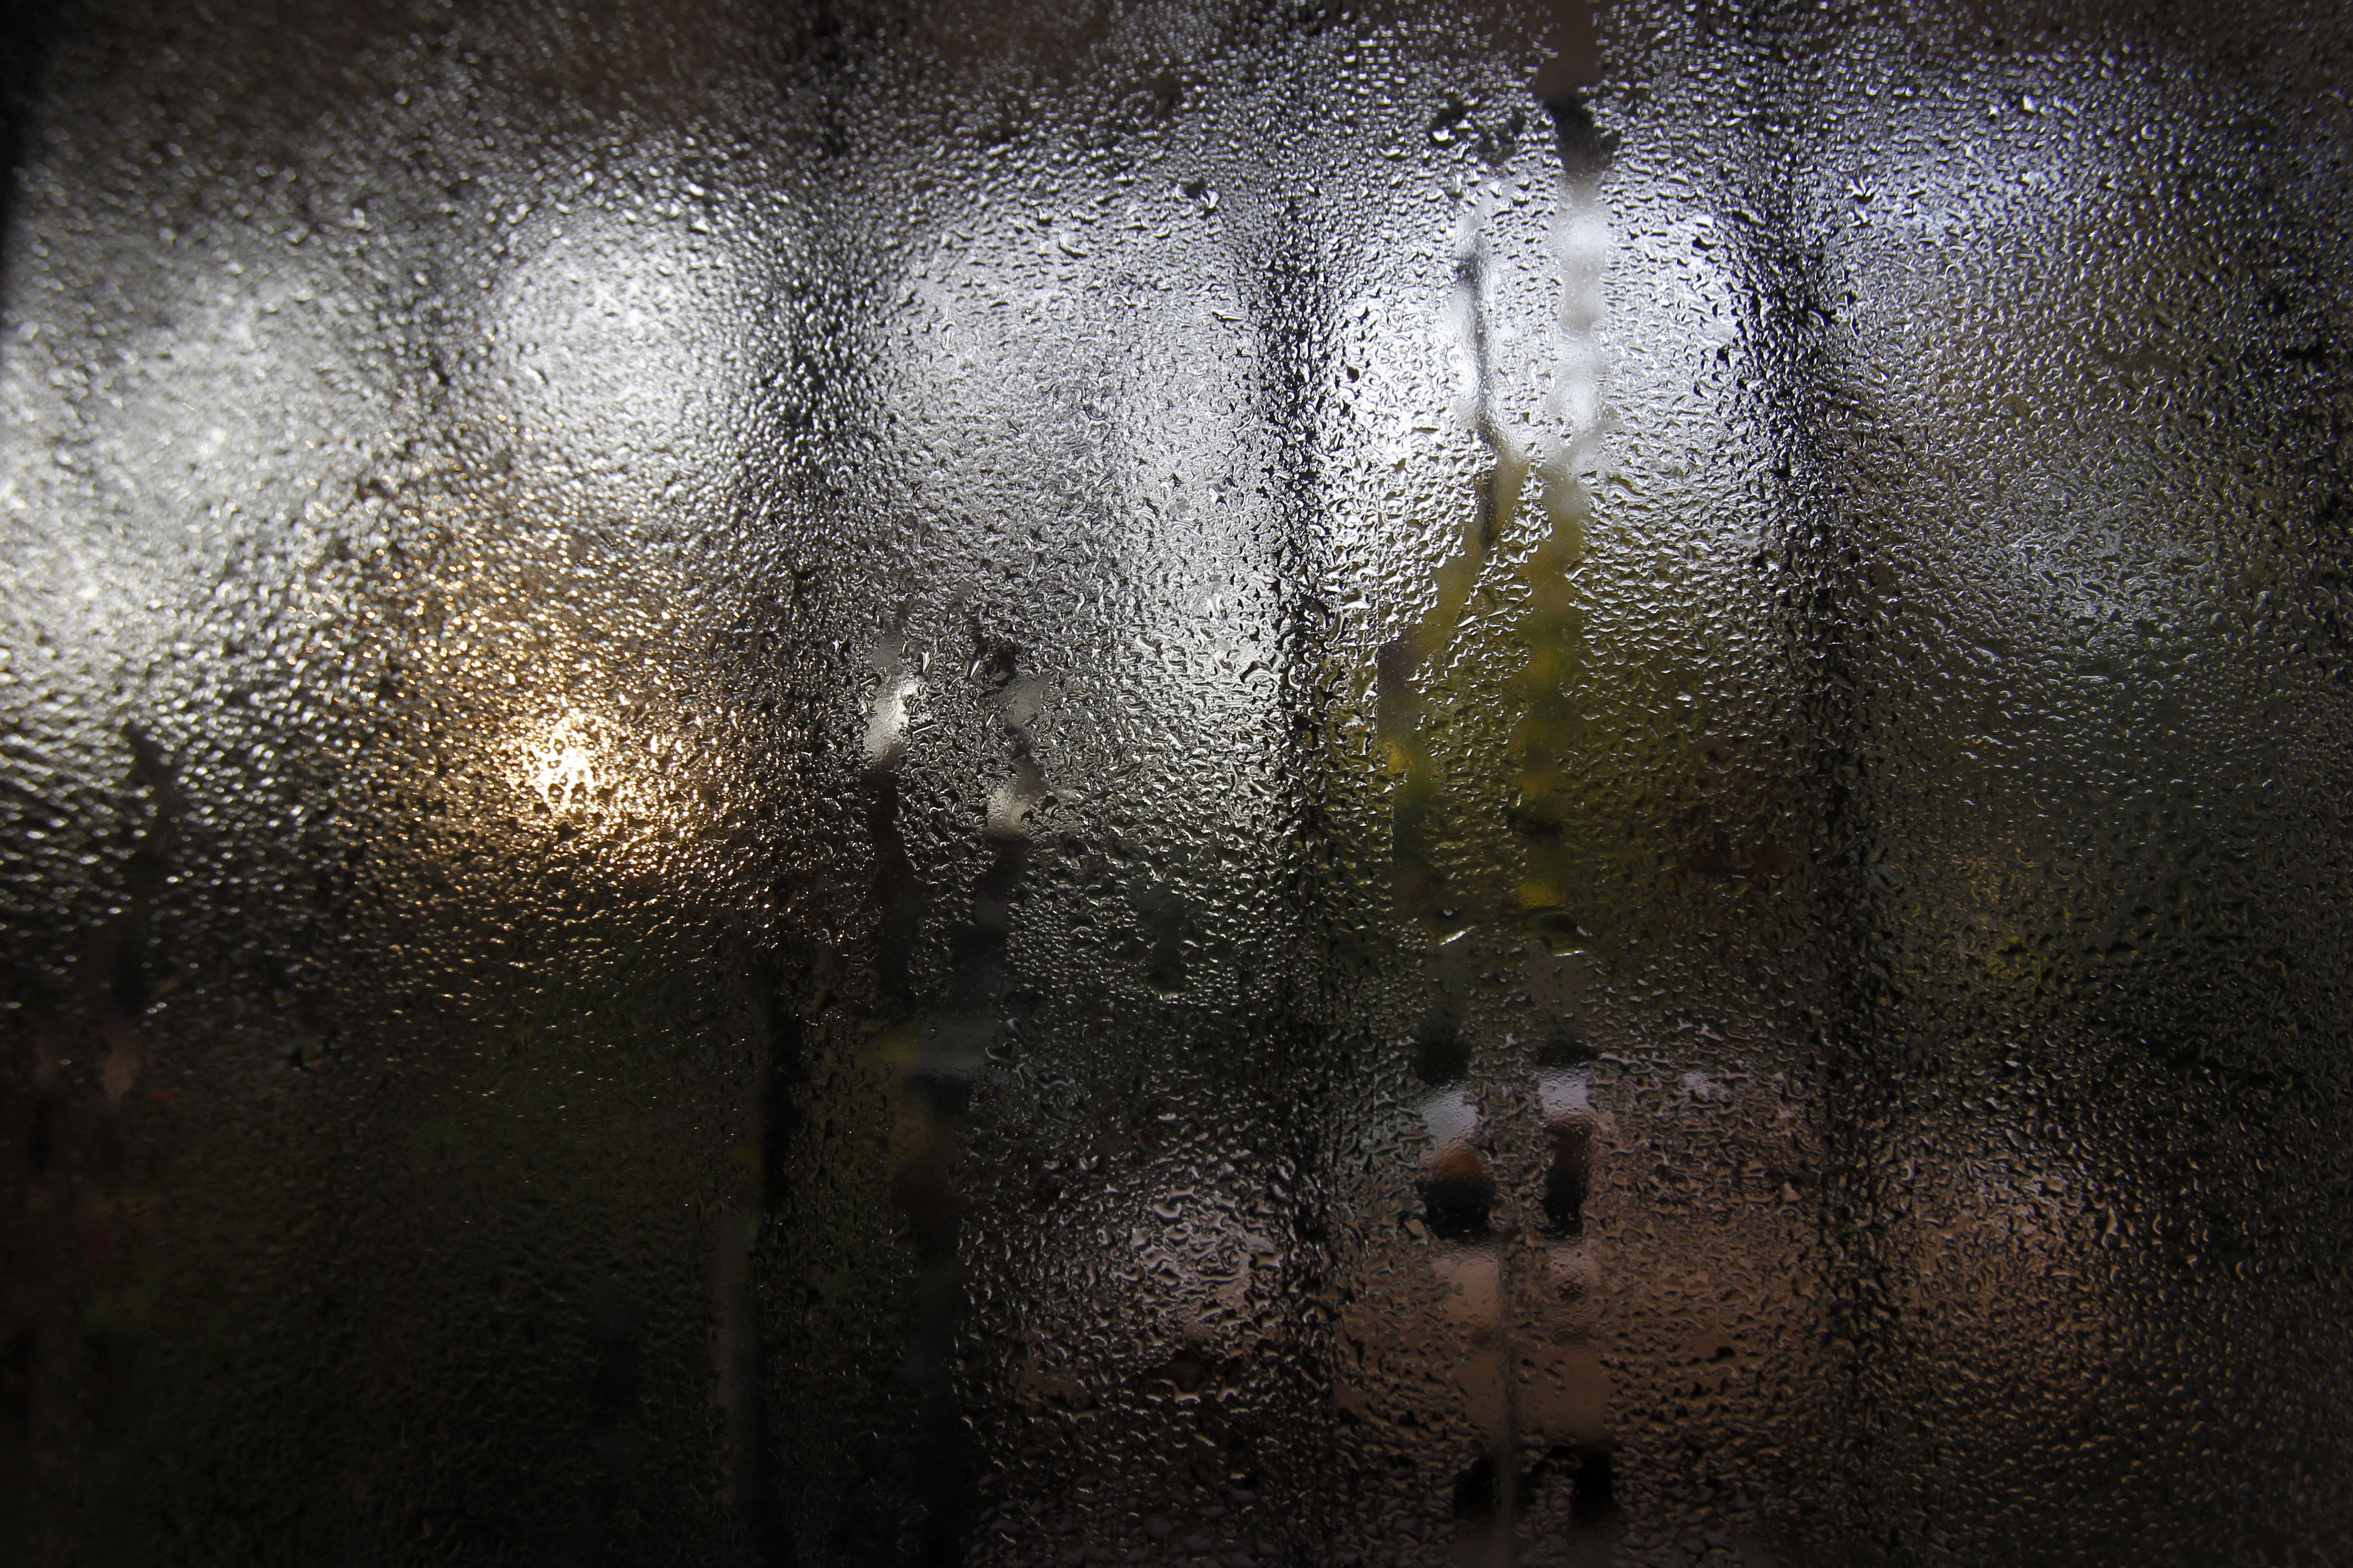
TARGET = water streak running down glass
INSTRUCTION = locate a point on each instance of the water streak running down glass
(1036, 785)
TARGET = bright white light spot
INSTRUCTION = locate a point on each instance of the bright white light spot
(563, 767)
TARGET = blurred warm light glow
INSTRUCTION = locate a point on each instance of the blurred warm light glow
(564, 771)
(578, 762)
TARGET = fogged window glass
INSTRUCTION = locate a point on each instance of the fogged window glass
(1033, 785)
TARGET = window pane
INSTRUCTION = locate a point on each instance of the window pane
(1032, 785)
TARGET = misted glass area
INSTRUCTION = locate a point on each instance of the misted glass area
(1022, 783)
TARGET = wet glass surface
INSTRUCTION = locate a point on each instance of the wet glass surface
(1021, 785)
